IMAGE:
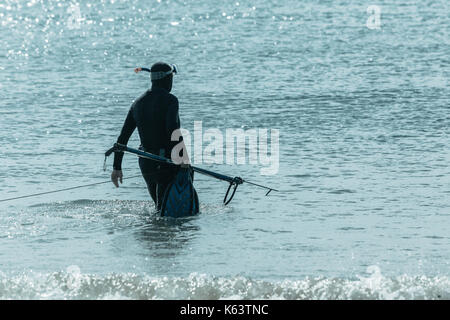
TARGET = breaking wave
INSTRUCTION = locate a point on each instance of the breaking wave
(72, 284)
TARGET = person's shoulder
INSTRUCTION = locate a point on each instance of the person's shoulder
(141, 98)
(172, 98)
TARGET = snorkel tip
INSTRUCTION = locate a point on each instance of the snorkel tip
(139, 69)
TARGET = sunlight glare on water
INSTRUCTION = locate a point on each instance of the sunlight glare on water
(364, 120)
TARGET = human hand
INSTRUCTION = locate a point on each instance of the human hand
(116, 176)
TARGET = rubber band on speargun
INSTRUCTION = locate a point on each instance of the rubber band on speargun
(236, 182)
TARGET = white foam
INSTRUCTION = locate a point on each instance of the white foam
(72, 284)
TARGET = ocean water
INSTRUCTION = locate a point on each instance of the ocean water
(364, 118)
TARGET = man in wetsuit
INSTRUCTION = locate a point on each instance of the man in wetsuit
(155, 114)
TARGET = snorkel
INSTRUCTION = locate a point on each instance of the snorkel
(161, 74)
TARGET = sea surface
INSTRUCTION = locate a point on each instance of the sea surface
(363, 113)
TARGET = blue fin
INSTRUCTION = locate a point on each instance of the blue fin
(180, 198)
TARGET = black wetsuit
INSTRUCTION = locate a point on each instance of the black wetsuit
(155, 114)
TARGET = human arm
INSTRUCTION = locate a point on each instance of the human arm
(127, 130)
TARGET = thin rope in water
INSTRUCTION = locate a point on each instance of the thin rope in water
(79, 187)
(65, 189)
